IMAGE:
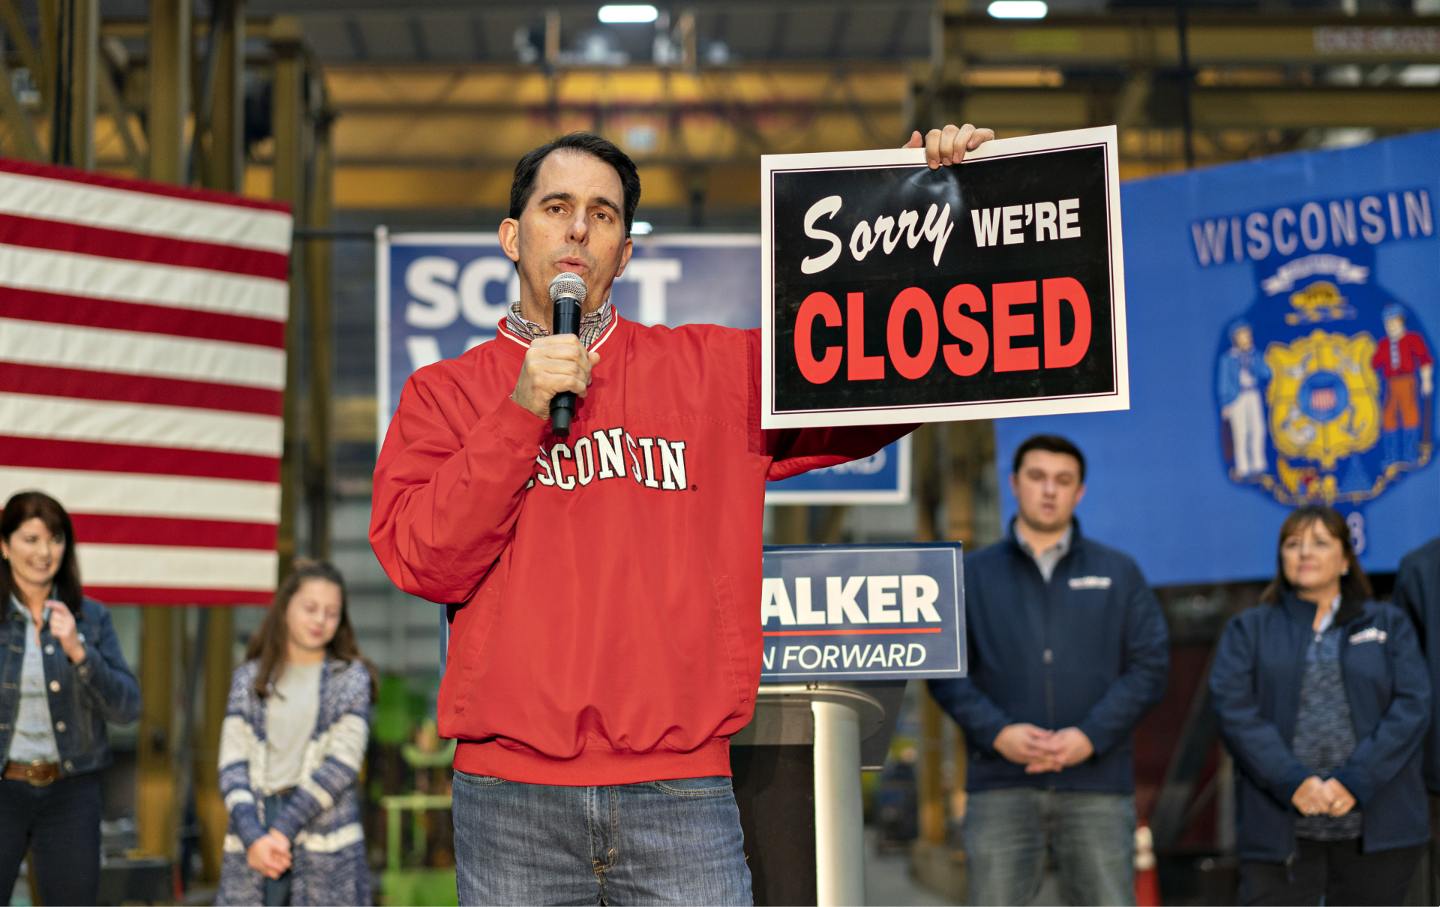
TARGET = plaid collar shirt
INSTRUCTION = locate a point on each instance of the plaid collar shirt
(592, 325)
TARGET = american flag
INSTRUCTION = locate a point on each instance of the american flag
(142, 377)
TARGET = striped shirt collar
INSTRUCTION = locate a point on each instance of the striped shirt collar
(592, 325)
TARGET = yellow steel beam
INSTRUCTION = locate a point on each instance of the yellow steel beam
(139, 29)
(120, 119)
(225, 153)
(320, 356)
(354, 86)
(288, 185)
(493, 113)
(1120, 41)
(458, 139)
(219, 642)
(1378, 108)
(156, 813)
(222, 161)
(19, 38)
(49, 40)
(82, 40)
(1220, 107)
(169, 89)
(20, 131)
(724, 186)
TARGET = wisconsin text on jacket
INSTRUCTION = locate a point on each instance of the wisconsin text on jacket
(604, 454)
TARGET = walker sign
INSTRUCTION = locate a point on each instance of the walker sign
(876, 612)
(896, 293)
(439, 294)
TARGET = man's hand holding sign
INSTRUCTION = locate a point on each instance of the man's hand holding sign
(898, 290)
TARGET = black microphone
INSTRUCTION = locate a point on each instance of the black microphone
(567, 291)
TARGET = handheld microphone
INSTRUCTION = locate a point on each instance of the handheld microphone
(567, 292)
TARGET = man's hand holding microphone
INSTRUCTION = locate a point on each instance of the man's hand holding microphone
(557, 367)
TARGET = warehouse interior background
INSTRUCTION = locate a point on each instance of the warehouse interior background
(363, 114)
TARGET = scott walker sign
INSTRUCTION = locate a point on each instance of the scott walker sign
(439, 294)
(897, 293)
(872, 612)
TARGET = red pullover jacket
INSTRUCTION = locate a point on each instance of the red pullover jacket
(610, 581)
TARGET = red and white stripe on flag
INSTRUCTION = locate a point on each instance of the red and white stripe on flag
(142, 378)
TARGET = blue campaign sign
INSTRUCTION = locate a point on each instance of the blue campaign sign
(439, 294)
(871, 612)
(1282, 339)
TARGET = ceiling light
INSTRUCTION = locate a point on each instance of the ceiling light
(1018, 9)
(629, 13)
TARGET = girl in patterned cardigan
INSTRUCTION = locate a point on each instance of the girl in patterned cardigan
(291, 749)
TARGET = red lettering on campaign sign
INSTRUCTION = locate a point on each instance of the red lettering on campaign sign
(962, 298)
(966, 357)
(823, 306)
(1069, 291)
(916, 300)
(859, 367)
(1009, 325)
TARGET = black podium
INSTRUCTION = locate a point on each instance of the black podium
(797, 780)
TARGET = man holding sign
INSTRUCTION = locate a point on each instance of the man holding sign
(603, 582)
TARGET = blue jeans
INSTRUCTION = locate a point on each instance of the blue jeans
(662, 842)
(60, 826)
(1009, 832)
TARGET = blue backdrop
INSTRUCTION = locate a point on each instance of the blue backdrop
(1259, 297)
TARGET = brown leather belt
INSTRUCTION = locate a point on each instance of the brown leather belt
(36, 774)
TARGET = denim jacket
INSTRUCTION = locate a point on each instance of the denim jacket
(101, 688)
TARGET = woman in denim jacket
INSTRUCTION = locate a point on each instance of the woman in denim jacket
(61, 678)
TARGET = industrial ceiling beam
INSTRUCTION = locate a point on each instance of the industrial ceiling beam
(1120, 41)
(1319, 107)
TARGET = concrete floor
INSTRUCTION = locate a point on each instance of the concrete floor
(888, 879)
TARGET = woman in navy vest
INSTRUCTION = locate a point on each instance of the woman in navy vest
(1323, 699)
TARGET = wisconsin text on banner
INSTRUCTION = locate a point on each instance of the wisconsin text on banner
(142, 375)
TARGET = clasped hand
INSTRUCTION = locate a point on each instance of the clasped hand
(1329, 797)
(270, 855)
(1041, 750)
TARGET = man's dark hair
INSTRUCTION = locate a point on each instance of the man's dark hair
(589, 143)
(1050, 444)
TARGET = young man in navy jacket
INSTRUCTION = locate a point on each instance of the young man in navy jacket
(1068, 648)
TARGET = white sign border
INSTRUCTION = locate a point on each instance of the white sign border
(1103, 136)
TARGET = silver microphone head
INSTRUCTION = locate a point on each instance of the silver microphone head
(567, 284)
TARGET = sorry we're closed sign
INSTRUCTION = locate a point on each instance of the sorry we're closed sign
(897, 293)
